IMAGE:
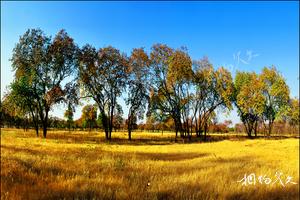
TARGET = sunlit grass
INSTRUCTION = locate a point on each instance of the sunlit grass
(81, 165)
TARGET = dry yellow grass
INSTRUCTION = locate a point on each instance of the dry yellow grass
(81, 165)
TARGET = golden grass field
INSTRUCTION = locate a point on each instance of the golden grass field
(81, 165)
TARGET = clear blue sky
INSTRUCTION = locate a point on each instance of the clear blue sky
(237, 35)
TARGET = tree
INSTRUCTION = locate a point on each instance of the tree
(69, 116)
(21, 98)
(45, 66)
(214, 90)
(179, 78)
(138, 87)
(249, 100)
(293, 115)
(12, 112)
(89, 116)
(150, 123)
(290, 114)
(103, 77)
(117, 118)
(160, 118)
(276, 94)
(171, 71)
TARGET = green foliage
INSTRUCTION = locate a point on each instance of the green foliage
(248, 99)
(89, 116)
(276, 94)
(249, 93)
(293, 112)
(264, 96)
(41, 65)
(69, 115)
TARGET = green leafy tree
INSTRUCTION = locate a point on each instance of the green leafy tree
(45, 65)
(294, 112)
(249, 100)
(69, 113)
(160, 118)
(12, 112)
(89, 116)
(276, 95)
(22, 99)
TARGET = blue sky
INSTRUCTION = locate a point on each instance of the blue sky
(238, 35)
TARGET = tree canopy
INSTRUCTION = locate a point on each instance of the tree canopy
(166, 85)
(42, 67)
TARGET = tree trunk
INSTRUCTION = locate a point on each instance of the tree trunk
(270, 127)
(200, 128)
(105, 124)
(205, 130)
(248, 130)
(35, 121)
(196, 127)
(129, 127)
(106, 134)
(176, 127)
(111, 121)
(37, 130)
(255, 129)
(45, 124)
(129, 134)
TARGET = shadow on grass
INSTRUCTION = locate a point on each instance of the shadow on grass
(96, 137)
(170, 156)
(20, 150)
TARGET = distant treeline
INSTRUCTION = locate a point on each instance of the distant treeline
(165, 85)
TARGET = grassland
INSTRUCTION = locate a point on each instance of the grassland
(81, 165)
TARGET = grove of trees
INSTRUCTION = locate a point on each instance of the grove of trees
(165, 86)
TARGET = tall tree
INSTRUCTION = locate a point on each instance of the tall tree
(46, 65)
(276, 94)
(103, 77)
(213, 91)
(179, 79)
(249, 100)
(171, 73)
(138, 86)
